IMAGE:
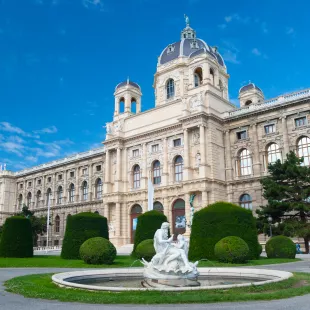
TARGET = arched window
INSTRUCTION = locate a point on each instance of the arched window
(245, 201)
(39, 197)
(136, 176)
(48, 197)
(212, 76)
(85, 191)
(133, 107)
(170, 88)
(98, 188)
(121, 105)
(198, 77)
(273, 153)
(71, 192)
(178, 169)
(20, 201)
(59, 195)
(248, 102)
(303, 150)
(245, 163)
(29, 200)
(156, 172)
(158, 206)
(57, 224)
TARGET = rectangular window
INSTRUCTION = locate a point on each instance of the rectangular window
(21, 185)
(60, 177)
(71, 174)
(39, 182)
(135, 153)
(270, 129)
(155, 148)
(177, 142)
(84, 171)
(300, 121)
(98, 168)
(56, 242)
(29, 183)
(49, 179)
(241, 135)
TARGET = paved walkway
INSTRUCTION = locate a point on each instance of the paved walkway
(10, 301)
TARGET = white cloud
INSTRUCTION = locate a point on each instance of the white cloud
(12, 147)
(236, 17)
(32, 159)
(7, 127)
(290, 31)
(230, 53)
(93, 3)
(256, 52)
(51, 129)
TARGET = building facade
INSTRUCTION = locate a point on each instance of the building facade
(193, 145)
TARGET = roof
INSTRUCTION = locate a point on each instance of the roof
(128, 82)
(188, 48)
(249, 87)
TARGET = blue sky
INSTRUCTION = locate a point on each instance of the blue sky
(60, 61)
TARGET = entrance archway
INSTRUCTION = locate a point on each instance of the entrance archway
(178, 217)
(136, 210)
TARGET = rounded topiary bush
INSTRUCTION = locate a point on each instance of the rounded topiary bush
(231, 249)
(81, 227)
(147, 225)
(146, 250)
(220, 220)
(97, 251)
(280, 247)
(16, 238)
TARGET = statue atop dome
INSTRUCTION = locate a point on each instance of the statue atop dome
(186, 20)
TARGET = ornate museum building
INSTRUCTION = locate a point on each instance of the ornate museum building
(193, 142)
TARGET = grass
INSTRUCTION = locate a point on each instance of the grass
(41, 286)
(120, 261)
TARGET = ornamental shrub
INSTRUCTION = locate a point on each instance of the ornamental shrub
(280, 247)
(147, 225)
(231, 249)
(220, 220)
(16, 239)
(81, 227)
(146, 250)
(97, 251)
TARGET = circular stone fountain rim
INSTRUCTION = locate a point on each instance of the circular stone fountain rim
(60, 278)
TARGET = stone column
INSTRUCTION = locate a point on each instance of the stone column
(286, 146)
(144, 168)
(186, 155)
(116, 108)
(202, 168)
(64, 192)
(127, 103)
(118, 169)
(118, 219)
(204, 199)
(90, 182)
(206, 72)
(125, 170)
(165, 163)
(138, 106)
(107, 172)
(255, 158)
(228, 156)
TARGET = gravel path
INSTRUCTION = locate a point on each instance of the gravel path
(10, 301)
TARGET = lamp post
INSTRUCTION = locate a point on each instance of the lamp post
(270, 222)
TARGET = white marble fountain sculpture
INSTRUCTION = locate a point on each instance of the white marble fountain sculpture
(170, 265)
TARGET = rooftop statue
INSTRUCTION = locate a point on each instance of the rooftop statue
(186, 20)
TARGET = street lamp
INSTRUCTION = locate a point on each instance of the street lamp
(270, 222)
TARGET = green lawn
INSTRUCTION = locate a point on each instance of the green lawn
(120, 261)
(41, 286)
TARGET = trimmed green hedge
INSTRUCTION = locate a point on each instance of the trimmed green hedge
(147, 225)
(280, 247)
(97, 251)
(16, 239)
(231, 249)
(81, 227)
(146, 250)
(220, 220)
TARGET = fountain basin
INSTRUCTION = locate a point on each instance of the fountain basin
(118, 280)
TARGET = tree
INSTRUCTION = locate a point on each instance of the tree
(38, 224)
(287, 190)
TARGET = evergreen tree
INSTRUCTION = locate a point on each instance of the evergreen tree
(287, 190)
(38, 224)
